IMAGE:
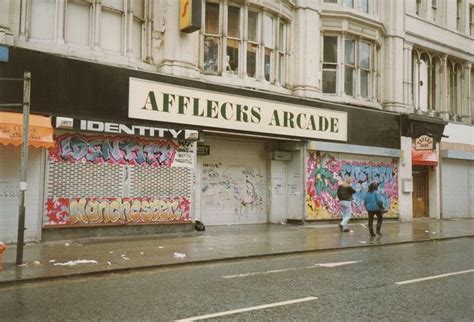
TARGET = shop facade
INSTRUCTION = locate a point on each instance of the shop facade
(140, 149)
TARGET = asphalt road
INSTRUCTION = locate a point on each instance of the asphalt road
(352, 285)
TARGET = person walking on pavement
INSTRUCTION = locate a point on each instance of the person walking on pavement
(375, 206)
(344, 193)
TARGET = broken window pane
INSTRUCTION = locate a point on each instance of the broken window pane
(211, 50)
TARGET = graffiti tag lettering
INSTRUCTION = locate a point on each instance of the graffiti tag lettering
(67, 211)
(97, 150)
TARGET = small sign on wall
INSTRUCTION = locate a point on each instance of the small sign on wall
(407, 184)
(189, 15)
(203, 149)
(424, 142)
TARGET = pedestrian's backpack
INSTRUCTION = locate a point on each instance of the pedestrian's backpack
(339, 193)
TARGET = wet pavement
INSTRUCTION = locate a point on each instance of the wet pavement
(49, 260)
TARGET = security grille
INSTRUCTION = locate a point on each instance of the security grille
(74, 180)
(160, 182)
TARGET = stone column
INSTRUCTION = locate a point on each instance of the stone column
(149, 9)
(431, 108)
(408, 69)
(23, 24)
(444, 112)
(466, 99)
(416, 84)
(59, 26)
(393, 72)
(129, 32)
(97, 11)
(306, 43)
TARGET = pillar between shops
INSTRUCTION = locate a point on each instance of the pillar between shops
(405, 203)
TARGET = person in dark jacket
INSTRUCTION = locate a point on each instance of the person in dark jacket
(344, 193)
(375, 206)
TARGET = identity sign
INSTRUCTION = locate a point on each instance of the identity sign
(182, 105)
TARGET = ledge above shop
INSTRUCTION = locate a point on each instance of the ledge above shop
(354, 149)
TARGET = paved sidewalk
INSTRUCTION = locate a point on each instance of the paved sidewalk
(55, 259)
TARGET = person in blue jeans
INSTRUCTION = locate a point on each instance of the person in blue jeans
(375, 206)
(344, 193)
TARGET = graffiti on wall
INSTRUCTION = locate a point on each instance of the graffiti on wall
(74, 211)
(233, 187)
(113, 150)
(325, 173)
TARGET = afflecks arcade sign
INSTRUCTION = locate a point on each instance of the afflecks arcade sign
(176, 104)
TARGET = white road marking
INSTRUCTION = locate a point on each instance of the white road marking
(291, 269)
(434, 277)
(247, 309)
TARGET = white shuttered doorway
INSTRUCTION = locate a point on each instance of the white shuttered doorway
(233, 182)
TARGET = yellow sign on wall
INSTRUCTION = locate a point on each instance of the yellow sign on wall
(189, 15)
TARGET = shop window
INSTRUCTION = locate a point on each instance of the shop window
(254, 46)
(357, 67)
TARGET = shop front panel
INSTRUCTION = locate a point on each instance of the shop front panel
(118, 180)
(233, 188)
(325, 171)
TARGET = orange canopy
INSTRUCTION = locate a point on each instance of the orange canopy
(40, 130)
(424, 157)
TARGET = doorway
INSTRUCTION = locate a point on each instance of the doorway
(420, 192)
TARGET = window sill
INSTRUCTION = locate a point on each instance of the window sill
(351, 101)
(244, 81)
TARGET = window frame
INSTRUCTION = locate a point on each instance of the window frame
(267, 51)
(343, 65)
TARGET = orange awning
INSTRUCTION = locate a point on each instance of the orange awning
(40, 130)
(424, 157)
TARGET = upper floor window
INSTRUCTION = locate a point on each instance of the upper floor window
(348, 67)
(362, 5)
(244, 41)
(418, 7)
(471, 20)
(459, 15)
(115, 26)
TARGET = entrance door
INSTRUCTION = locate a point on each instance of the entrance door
(420, 194)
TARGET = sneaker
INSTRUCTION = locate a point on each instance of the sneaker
(346, 230)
